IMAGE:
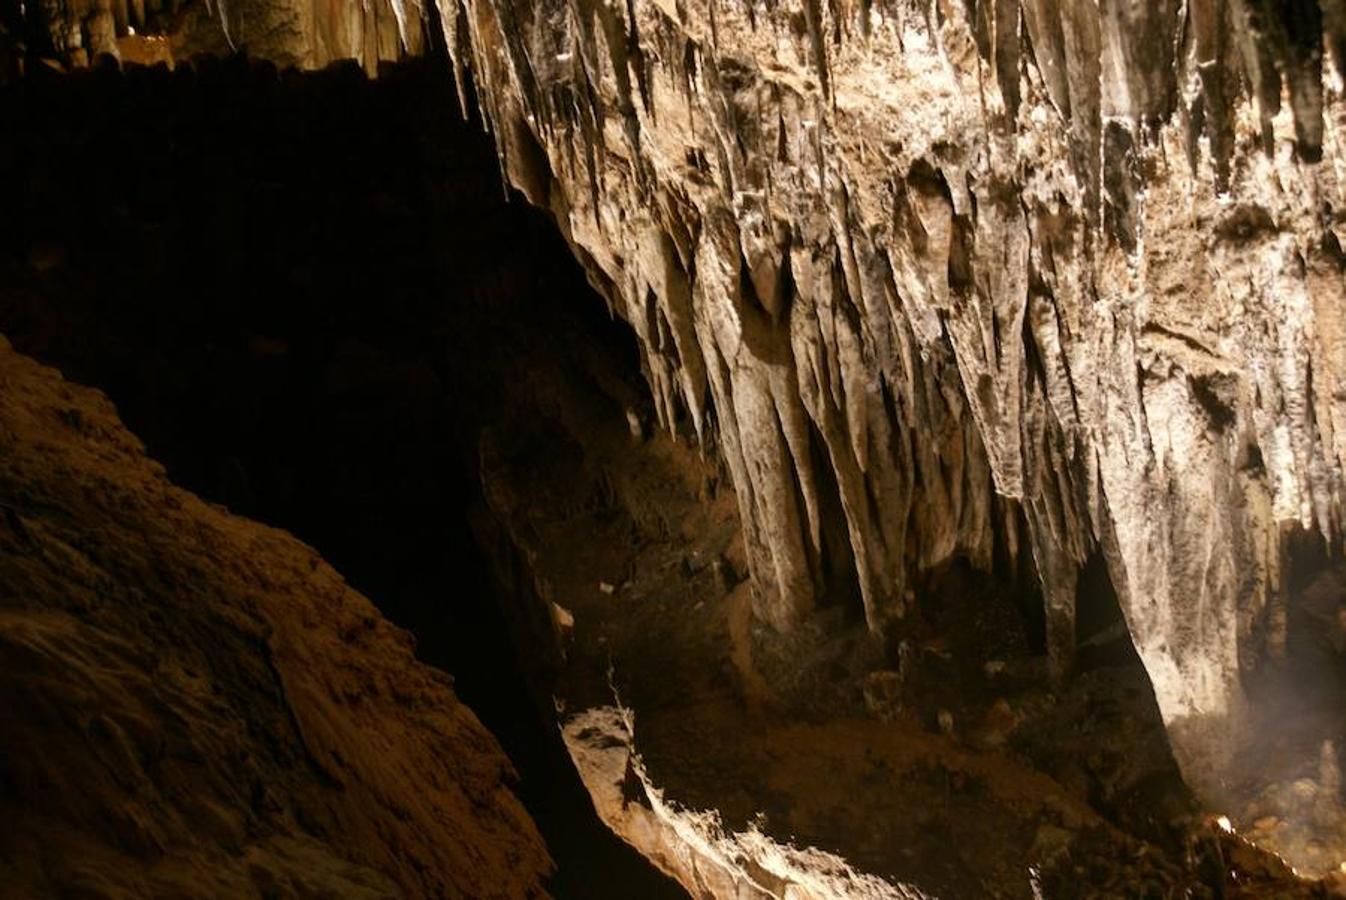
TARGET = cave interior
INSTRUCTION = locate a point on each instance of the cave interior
(315, 297)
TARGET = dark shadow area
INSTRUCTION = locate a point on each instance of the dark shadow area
(305, 293)
(837, 581)
(1101, 635)
(1315, 621)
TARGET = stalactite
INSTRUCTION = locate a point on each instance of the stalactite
(814, 22)
(989, 335)
(512, 31)
(635, 51)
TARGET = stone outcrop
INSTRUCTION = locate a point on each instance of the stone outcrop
(302, 33)
(1028, 281)
(192, 704)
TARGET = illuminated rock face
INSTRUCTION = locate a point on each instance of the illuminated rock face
(302, 33)
(1062, 275)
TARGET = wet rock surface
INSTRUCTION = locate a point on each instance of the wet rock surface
(75, 34)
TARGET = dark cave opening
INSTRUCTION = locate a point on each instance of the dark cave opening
(1315, 610)
(1101, 635)
(306, 293)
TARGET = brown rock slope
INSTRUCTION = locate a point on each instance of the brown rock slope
(192, 704)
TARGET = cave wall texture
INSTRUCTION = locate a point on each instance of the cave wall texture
(196, 705)
(1066, 276)
(302, 33)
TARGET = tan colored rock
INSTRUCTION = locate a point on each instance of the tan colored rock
(996, 726)
(302, 33)
(693, 847)
(1066, 271)
(195, 705)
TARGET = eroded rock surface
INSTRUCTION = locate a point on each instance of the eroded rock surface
(192, 704)
(302, 33)
(1031, 279)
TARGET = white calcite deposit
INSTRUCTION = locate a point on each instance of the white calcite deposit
(1057, 277)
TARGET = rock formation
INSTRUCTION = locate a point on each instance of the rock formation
(303, 33)
(192, 704)
(1028, 283)
(1031, 279)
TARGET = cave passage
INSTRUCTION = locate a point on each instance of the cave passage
(307, 293)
